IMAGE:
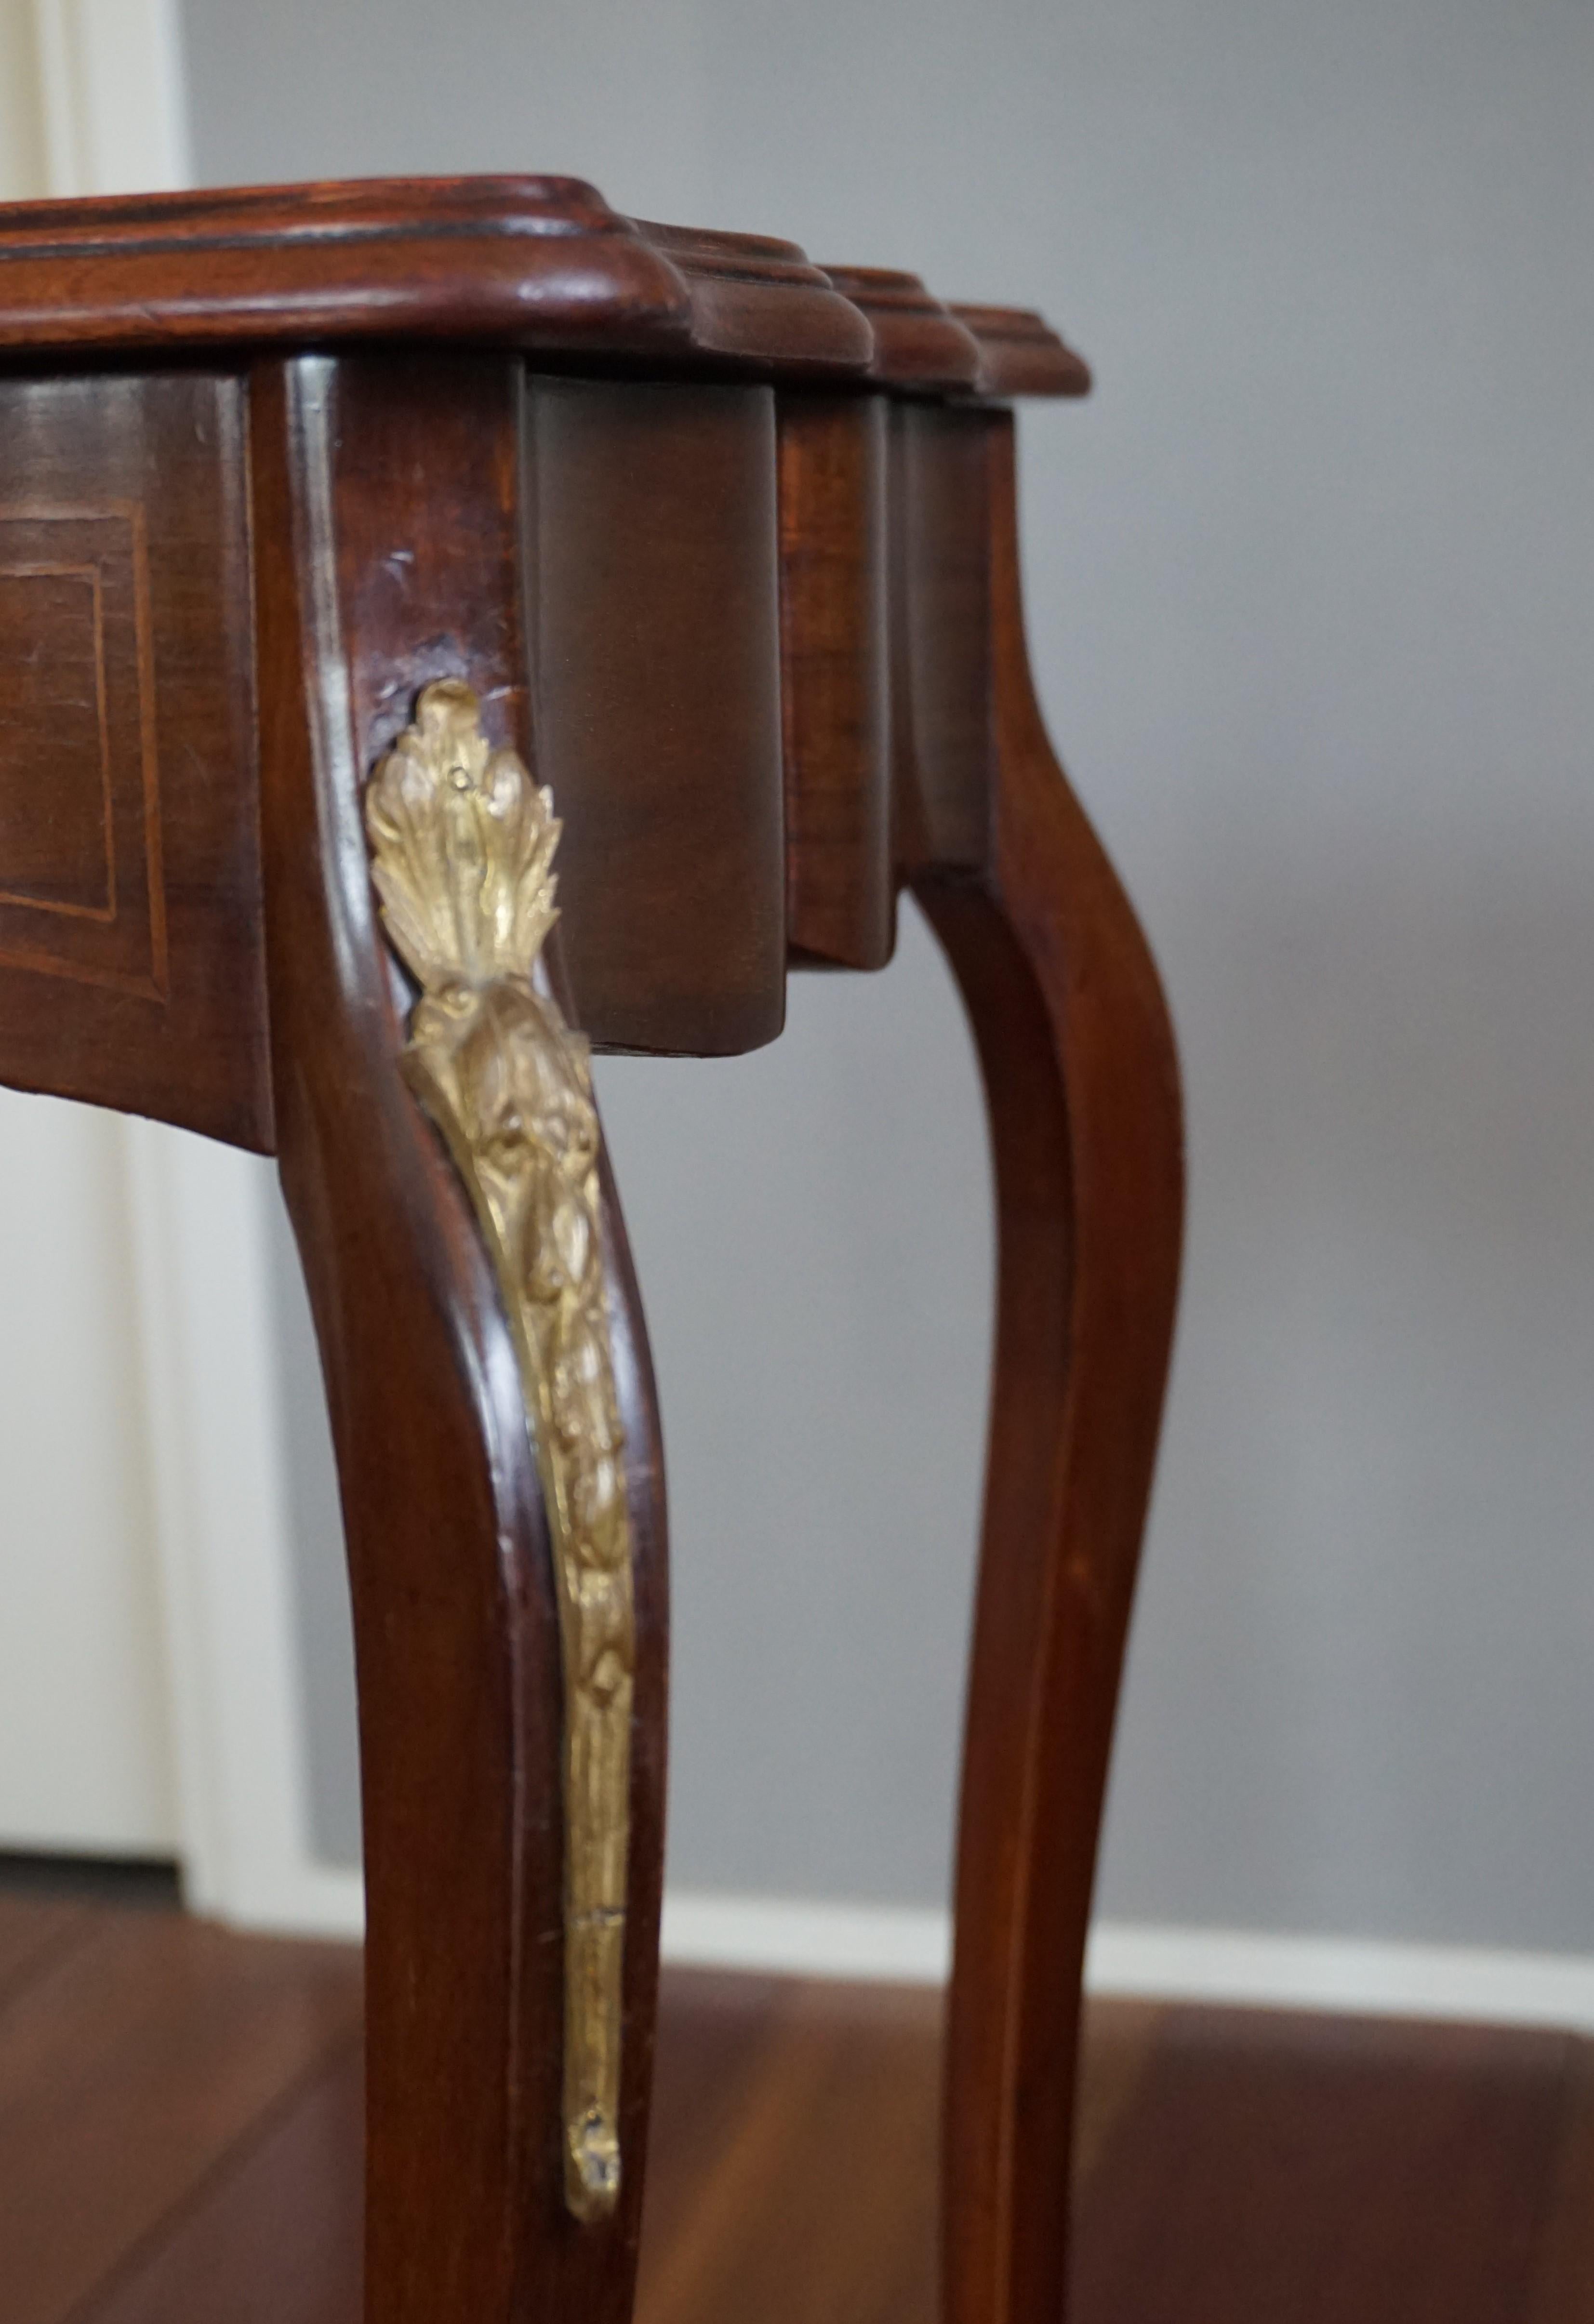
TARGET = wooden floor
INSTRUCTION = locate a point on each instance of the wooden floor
(179, 2135)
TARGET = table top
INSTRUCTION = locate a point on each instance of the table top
(540, 264)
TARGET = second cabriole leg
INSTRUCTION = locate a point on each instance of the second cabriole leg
(1081, 1088)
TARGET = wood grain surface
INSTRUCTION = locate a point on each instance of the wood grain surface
(835, 701)
(390, 554)
(651, 530)
(1021, 354)
(919, 345)
(524, 261)
(1082, 1090)
(132, 953)
(756, 299)
(181, 2144)
(130, 2063)
(538, 263)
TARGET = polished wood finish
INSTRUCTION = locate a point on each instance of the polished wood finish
(189, 2107)
(527, 262)
(657, 707)
(132, 966)
(919, 345)
(1021, 354)
(942, 637)
(34, 1932)
(758, 300)
(136, 2051)
(1328, 2170)
(273, 2235)
(389, 525)
(531, 262)
(840, 894)
(725, 544)
(1081, 1085)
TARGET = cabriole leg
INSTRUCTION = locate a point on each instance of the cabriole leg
(1082, 1086)
(485, 1367)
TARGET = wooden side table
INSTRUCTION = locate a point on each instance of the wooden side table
(359, 545)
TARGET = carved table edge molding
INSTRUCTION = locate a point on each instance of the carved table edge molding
(463, 843)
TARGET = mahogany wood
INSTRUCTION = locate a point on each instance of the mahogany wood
(527, 261)
(919, 343)
(834, 693)
(389, 530)
(658, 706)
(1082, 1086)
(132, 968)
(1021, 354)
(758, 300)
(942, 679)
(535, 262)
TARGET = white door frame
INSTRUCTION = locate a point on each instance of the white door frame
(112, 104)
(209, 1343)
(111, 83)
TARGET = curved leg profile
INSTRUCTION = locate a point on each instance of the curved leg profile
(1082, 1087)
(488, 1381)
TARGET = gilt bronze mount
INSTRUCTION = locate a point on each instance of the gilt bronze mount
(463, 843)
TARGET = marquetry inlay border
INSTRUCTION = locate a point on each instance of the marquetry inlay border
(121, 943)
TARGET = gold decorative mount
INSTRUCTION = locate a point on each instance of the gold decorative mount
(463, 843)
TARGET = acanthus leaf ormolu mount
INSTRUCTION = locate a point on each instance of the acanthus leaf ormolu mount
(463, 843)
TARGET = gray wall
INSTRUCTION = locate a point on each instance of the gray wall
(1311, 584)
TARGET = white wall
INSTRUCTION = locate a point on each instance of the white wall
(1311, 582)
(87, 1759)
(21, 125)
